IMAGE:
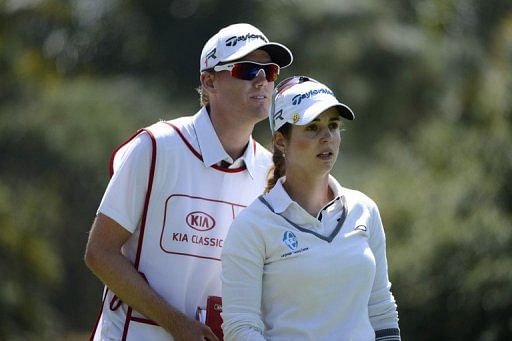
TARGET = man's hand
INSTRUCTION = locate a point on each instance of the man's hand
(187, 329)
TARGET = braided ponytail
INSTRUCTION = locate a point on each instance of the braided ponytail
(278, 169)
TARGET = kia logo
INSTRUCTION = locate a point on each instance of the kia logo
(200, 221)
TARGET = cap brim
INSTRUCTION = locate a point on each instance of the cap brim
(279, 54)
(313, 111)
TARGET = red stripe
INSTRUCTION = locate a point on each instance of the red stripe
(99, 315)
(127, 323)
(146, 200)
(143, 221)
(114, 152)
(200, 157)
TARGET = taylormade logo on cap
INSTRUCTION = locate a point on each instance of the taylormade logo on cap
(298, 98)
(234, 40)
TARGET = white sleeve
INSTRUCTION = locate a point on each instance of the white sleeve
(123, 200)
(382, 308)
(243, 256)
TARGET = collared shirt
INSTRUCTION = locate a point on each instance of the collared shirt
(283, 280)
(326, 219)
(211, 148)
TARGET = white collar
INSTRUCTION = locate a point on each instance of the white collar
(211, 148)
(279, 199)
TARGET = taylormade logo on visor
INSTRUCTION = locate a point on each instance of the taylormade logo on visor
(298, 98)
(235, 39)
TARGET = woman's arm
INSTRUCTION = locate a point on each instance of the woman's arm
(243, 256)
(382, 308)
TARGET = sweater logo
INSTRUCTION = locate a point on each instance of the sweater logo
(290, 240)
(360, 228)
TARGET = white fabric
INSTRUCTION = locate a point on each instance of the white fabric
(191, 208)
(274, 289)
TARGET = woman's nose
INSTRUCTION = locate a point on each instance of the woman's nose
(326, 134)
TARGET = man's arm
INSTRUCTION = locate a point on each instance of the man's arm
(103, 256)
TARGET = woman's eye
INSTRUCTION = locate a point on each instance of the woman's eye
(334, 125)
(312, 127)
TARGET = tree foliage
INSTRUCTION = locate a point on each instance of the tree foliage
(431, 85)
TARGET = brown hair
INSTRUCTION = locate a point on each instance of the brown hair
(278, 168)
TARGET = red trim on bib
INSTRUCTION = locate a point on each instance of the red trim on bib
(116, 149)
(143, 222)
(99, 315)
(200, 157)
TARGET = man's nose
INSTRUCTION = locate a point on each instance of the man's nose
(261, 77)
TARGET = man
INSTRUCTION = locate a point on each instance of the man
(175, 189)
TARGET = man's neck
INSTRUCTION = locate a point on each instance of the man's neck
(233, 134)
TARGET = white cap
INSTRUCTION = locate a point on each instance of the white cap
(302, 102)
(238, 40)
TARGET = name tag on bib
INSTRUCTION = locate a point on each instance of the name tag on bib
(196, 226)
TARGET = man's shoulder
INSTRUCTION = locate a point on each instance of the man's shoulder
(181, 126)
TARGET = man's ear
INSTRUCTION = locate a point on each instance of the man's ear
(208, 81)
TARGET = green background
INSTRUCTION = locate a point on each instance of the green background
(431, 85)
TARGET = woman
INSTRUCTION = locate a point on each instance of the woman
(307, 261)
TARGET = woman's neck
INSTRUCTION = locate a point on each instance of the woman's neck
(311, 193)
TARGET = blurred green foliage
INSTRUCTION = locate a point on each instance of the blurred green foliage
(431, 84)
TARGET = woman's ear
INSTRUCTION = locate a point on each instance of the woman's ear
(280, 141)
(208, 81)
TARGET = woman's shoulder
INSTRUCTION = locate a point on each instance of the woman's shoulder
(358, 198)
(249, 224)
(253, 213)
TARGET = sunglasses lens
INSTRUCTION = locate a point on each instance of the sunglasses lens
(249, 71)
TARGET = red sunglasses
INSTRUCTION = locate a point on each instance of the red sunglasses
(249, 70)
